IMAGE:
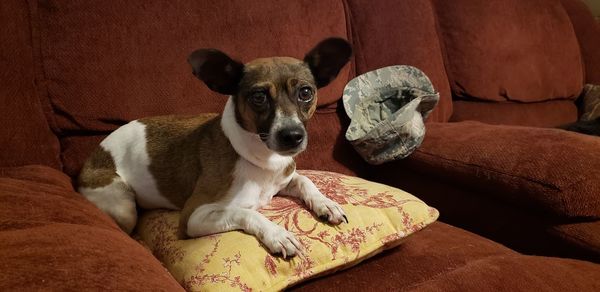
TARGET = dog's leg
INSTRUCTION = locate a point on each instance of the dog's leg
(301, 187)
(101, 185)
(215, 218)
(115, 199)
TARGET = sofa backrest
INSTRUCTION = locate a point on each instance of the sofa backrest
(588, 35)
(106, 64)
(510, 50)
(400, 32)
(86, 67)
(25, 136)
(514, 61)
(109, 62)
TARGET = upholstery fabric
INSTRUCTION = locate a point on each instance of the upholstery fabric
(379, 218)
(25, 136)
(389, 33)
(587, 30)
(545, 114)
(51, 238)
(513, 50)
(530, 167)
(437, 259)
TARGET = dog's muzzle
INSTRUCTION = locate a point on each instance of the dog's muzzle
(287, 135)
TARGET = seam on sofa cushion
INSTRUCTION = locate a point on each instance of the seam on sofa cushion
(547, 185)
(40, 71)
(443, 45)
(459, 162)
(354, 38)
(579, 240)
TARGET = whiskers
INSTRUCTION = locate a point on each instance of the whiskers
(263, 136)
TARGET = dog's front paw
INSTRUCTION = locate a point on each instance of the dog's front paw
(281, 241)
(328, 210)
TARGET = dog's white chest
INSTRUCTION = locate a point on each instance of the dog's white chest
(254, 187)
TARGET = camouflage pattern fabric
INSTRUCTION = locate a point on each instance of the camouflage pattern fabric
(387, 108)
(591, 102)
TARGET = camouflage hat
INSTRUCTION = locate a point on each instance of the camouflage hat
(387, 108)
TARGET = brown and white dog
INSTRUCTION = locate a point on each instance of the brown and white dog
(218, 170)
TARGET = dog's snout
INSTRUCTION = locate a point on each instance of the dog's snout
(290, 137)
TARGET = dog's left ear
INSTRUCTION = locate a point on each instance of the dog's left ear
(327, 59)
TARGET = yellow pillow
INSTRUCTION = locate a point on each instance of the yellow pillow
(379, 218)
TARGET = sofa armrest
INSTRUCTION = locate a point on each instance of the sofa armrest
(53, 239)
(548, 170)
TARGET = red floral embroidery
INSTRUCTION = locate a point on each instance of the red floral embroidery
(392, 237)
(332, 185)
(304, 268)
(224, 277)
(206, 260)
(270, 265)
(354, 238)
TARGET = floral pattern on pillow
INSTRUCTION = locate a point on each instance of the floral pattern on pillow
(380, 217)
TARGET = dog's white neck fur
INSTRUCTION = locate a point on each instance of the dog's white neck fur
(248, 145)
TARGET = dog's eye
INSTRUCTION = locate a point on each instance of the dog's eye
(258, 98)
(305, 94)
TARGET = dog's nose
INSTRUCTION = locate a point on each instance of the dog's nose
(290, 137)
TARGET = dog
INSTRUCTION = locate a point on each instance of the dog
(220, 169)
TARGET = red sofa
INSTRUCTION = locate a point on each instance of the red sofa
(507, 71)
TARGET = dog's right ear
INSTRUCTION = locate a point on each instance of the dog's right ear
(218, 71)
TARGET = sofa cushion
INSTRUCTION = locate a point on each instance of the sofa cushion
(108, 63)
(51, 238)
(545, 114)
(389, 33)
(515, 50)
(511, 223)
(37, 195)
(547, 170)
(380, 217)
(445, 258)
(25, 136)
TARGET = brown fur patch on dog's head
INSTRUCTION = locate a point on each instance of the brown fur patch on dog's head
(279, 80)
